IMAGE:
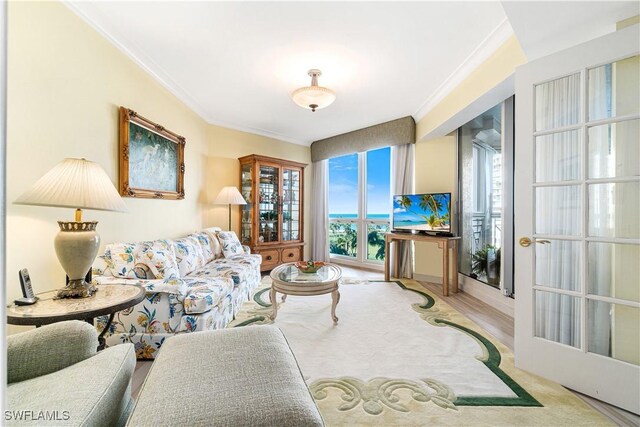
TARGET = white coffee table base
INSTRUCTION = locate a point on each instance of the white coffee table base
(305, 289)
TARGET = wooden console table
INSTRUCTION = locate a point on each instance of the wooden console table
(444, 243)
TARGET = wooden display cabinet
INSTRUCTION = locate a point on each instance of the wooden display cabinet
(272, 220)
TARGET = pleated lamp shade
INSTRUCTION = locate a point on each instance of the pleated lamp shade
(75, 183)
(230, 196)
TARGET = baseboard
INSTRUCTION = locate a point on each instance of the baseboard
(481, 291)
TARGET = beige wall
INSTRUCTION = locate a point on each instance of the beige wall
(65, 84)
(435, 173)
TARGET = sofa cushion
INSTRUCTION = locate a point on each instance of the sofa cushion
(205, 244)
(230, 243)
(224, 267)
(160, 257)
(249, 376)
(188, 254)
(206, 293)
(120, 258)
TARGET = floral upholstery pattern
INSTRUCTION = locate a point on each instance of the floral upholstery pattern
(205, 244)
(121, 259)
(206, 298)
(160, 257)
(188, 254)
(230, 243)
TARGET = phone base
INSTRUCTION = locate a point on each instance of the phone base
(26, 301)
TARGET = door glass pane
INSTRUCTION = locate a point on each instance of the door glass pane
(481, 196)
(375, 241)
(557, 318)
(343, 186)
(613, 209)
(379, 183)
(558, 265)
(246, 181)
(558, 103)
(343, 239)
(612, 330)
(613, 89)
(614, 149)
(290, 204)
(558, 156)
(558, 210)
(268, 201)
(614, 270)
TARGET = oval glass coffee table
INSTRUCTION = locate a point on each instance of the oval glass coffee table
(288, 280)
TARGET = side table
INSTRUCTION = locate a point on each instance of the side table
(109, 299)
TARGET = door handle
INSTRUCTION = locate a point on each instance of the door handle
(525, 242)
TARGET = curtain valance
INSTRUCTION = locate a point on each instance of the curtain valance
(396, 132)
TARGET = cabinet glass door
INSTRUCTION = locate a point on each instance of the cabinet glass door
(247, 210)
(290, 205)
(268, 204)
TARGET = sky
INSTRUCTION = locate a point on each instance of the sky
(343, 183)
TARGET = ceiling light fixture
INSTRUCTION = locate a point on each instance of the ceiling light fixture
(313, 97)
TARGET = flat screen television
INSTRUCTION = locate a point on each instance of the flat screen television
(427, 213)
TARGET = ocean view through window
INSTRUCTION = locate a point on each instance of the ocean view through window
(359, 206)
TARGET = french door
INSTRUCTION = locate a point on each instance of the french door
(577, 272)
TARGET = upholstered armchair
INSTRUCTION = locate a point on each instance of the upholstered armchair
(56, 377)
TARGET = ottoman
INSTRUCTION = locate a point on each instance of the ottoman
(243, 376)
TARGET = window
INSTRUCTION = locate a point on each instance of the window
(359, 205)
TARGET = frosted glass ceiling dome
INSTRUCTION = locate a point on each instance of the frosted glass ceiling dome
(313, 97)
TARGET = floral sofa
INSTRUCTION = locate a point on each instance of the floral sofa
(195, 283)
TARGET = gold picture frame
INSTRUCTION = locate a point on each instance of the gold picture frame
(151, 159)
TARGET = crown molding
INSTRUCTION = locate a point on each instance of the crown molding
(158, 74)
(485, 49)
(258, 131)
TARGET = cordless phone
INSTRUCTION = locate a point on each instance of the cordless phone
(27, 290)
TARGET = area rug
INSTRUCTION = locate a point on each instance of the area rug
(400, 355)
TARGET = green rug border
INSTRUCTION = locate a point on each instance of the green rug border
(492, 362)
(523, 399)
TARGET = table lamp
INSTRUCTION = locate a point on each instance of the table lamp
(230, 196)
(79, 184)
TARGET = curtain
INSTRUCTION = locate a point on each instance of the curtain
(402, 182)
(320, 209)
(559, 211)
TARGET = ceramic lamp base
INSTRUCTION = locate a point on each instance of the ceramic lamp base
(77, 246)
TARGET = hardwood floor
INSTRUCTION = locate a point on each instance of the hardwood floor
(490, 319)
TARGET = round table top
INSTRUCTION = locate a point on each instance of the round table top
(288, 274)
(108, 299)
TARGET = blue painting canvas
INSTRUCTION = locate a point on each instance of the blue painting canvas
(153, 160)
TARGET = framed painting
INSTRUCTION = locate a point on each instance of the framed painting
(151, 159)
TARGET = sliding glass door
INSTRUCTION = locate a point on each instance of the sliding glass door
(359, 206)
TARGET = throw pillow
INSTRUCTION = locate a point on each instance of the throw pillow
(121, 259)
(205, 245)
(143, 272)
(188, 254)
(212, 232)
(230, 244)
(160, 257)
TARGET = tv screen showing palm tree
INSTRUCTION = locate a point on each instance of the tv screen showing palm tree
(422, 212)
